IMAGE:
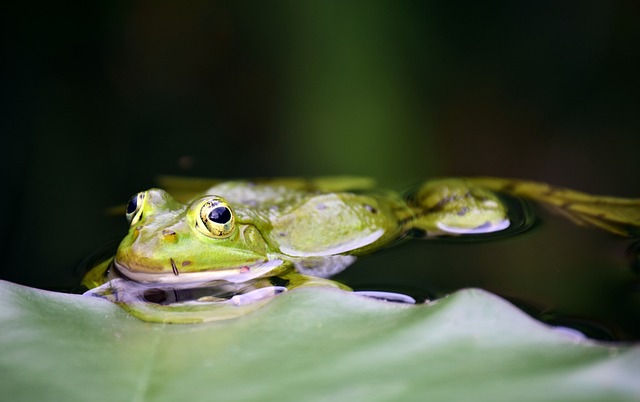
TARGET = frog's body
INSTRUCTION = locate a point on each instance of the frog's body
(250, 240)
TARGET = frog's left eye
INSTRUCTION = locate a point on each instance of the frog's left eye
(134, 208)
(215, 218)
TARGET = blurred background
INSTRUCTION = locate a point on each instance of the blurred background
(101, 98)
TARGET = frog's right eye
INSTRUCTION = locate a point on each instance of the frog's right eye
(134, 208)
(215, 218)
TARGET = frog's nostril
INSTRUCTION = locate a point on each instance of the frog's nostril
(169, 235)
(136, 231)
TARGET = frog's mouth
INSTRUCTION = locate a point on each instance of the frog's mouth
(233, 274)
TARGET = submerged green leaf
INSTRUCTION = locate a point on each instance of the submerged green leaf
(308, 344)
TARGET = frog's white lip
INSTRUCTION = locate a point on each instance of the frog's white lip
(234, 274)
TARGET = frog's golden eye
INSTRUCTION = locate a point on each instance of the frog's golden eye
(134, 208)
(215, 218)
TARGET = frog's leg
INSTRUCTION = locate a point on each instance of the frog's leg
(455, 207)
(617, 215)
(435, 204)
(97, 275)
(294, 280)
(297, 280)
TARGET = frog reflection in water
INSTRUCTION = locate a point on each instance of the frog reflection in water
(233, 245)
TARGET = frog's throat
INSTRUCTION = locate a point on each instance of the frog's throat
(232, 274)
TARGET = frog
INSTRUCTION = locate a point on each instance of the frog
(201, 250)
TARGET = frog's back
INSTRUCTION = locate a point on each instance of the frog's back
(312, 222)
(258, 196)
(327, 224)
(184, 189)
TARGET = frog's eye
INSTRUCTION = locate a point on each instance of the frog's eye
(215, 218)
(134, 208)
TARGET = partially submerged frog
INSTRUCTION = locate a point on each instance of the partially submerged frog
(220, 249)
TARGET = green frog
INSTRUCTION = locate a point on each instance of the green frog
(220, 249)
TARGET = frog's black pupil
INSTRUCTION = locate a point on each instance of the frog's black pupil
(133, 204)
(220, 215)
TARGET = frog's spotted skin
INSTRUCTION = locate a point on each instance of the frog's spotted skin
(256, 239)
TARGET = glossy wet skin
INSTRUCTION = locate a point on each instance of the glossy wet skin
(216, 237)
(255, 240)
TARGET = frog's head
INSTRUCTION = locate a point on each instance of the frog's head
(174, 243)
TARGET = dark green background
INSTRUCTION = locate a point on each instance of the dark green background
(100, 98)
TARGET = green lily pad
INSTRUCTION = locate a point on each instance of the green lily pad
(307, 344)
